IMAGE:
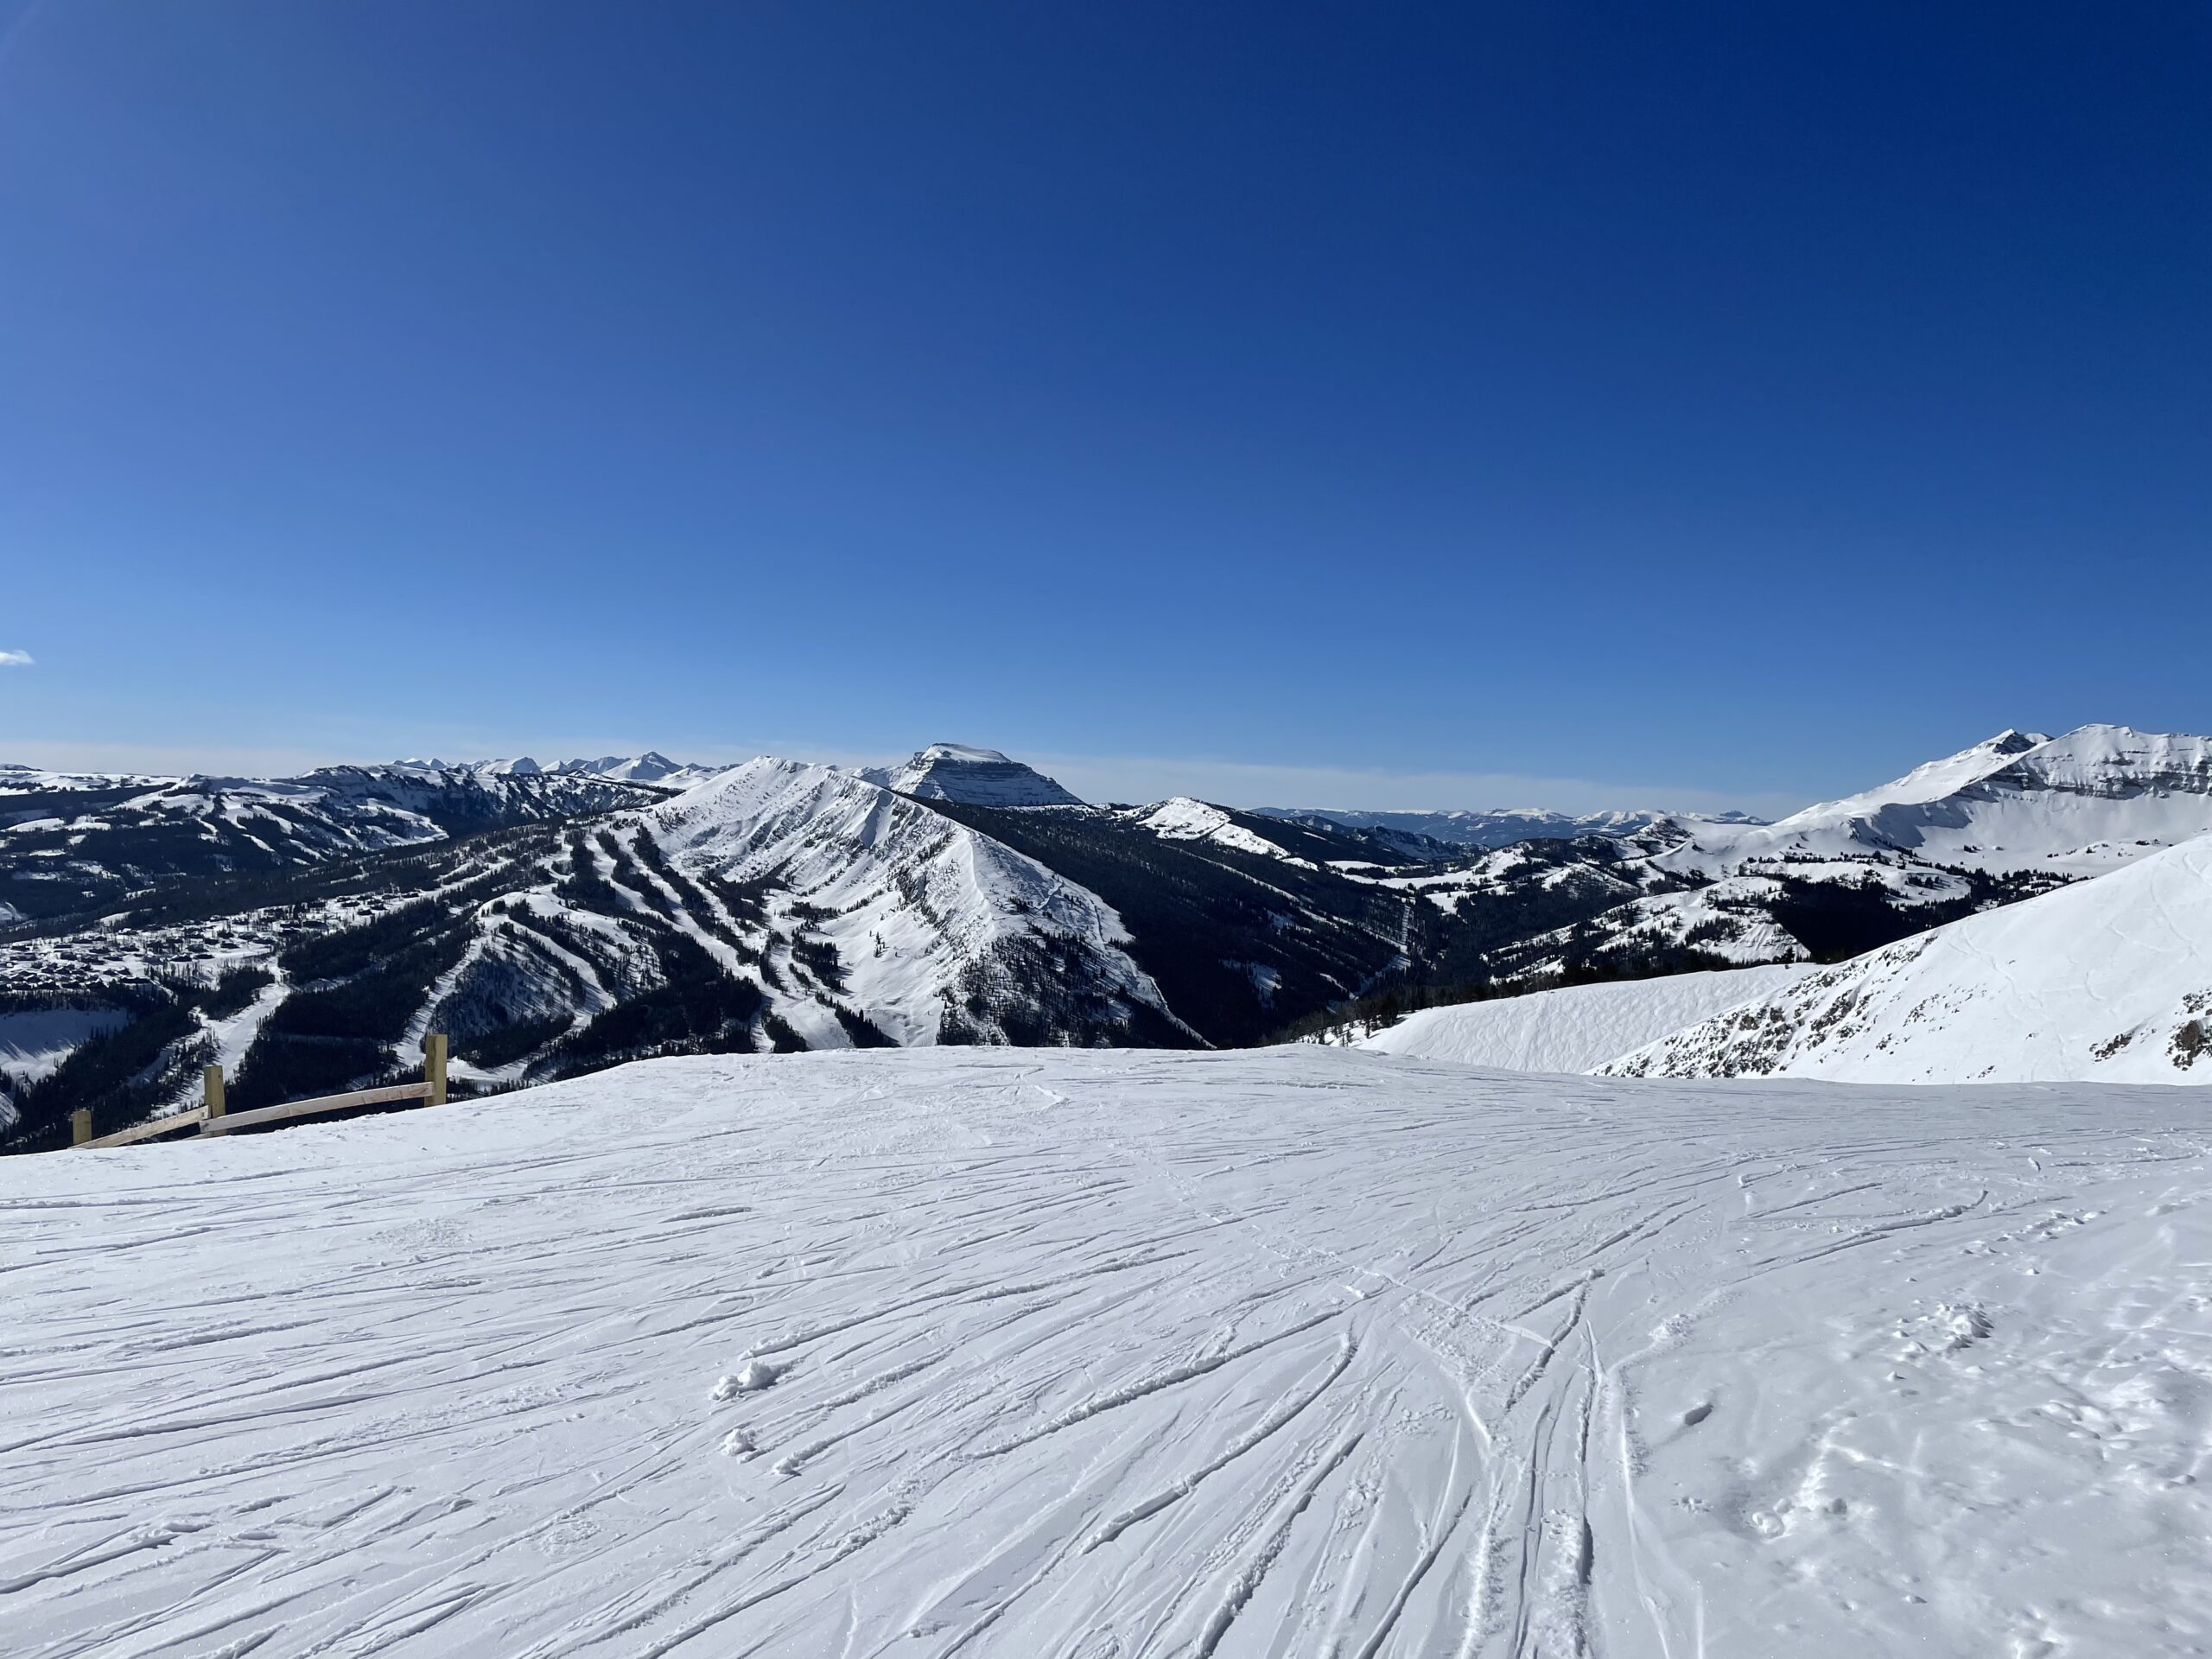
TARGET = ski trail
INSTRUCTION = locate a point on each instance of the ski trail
(1289, 1352)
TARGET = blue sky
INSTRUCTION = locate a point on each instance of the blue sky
(1433, 405)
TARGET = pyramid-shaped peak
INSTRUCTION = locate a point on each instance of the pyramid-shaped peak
(973, 776)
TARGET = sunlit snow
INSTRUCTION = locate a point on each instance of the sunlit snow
(1298, 1351)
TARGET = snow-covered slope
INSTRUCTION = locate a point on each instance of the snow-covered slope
(985, 1354)
(71, 844)
(2096, 799)
(2109, 980)
(1995, 823)
(650, 767)
(773, 906)
(934, 924)
(953, 772)
(33, 1041)
(1185, 819)
(1575, 1027)
(1501, 827)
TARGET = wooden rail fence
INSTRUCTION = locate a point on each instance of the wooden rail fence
(210, 1117)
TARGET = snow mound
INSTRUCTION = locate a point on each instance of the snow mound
(1286, 1353)
(2107, 980)
(1576, 1028)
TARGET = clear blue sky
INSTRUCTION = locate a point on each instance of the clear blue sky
(1719, 402)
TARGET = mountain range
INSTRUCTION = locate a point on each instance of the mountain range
(556, 917)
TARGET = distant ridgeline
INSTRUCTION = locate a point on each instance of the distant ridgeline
(556, 918)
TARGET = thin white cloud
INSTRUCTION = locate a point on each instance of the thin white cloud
(16, 659)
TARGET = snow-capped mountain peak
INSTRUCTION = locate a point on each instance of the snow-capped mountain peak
(970, 777)
(2088, 801)
(650, 767)
(936, 927)
(1931, 781)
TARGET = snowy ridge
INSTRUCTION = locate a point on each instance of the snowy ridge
(918, 906)
(996, 1355)
(1575, 1027)
(2096, 799)
(650, 767)
(2109, 980)
(71, 843)
(1502, 826)
(1185, 819)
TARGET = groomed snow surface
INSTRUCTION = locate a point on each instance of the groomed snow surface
(1576, 1028)
(1301, 1352)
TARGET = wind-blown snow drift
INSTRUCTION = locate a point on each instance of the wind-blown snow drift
(2110, 980)
(992, 1353)
(1576, 1028)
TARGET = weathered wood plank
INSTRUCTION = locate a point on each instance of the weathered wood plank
(434, 1066)
(309, 1108)
(157, 1126)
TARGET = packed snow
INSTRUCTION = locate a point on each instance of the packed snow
(2107, 980)
(1575, 1027)
(993, 1352)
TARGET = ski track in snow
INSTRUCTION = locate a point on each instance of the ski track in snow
(1303, 1351)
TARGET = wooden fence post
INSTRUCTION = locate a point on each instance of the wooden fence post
(80, 1126)
(434, 1066)
(210, 1089)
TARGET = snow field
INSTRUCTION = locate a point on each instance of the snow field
(1004, 1352)
(1575, 1027)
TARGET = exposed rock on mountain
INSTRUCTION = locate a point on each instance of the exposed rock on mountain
(2096, 799)
(953, 772)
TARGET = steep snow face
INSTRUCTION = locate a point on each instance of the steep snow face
(1576, 1028)
(2096, 799)
(999, 1354)
(953, 772)
(2109, 980)
(931, 919)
